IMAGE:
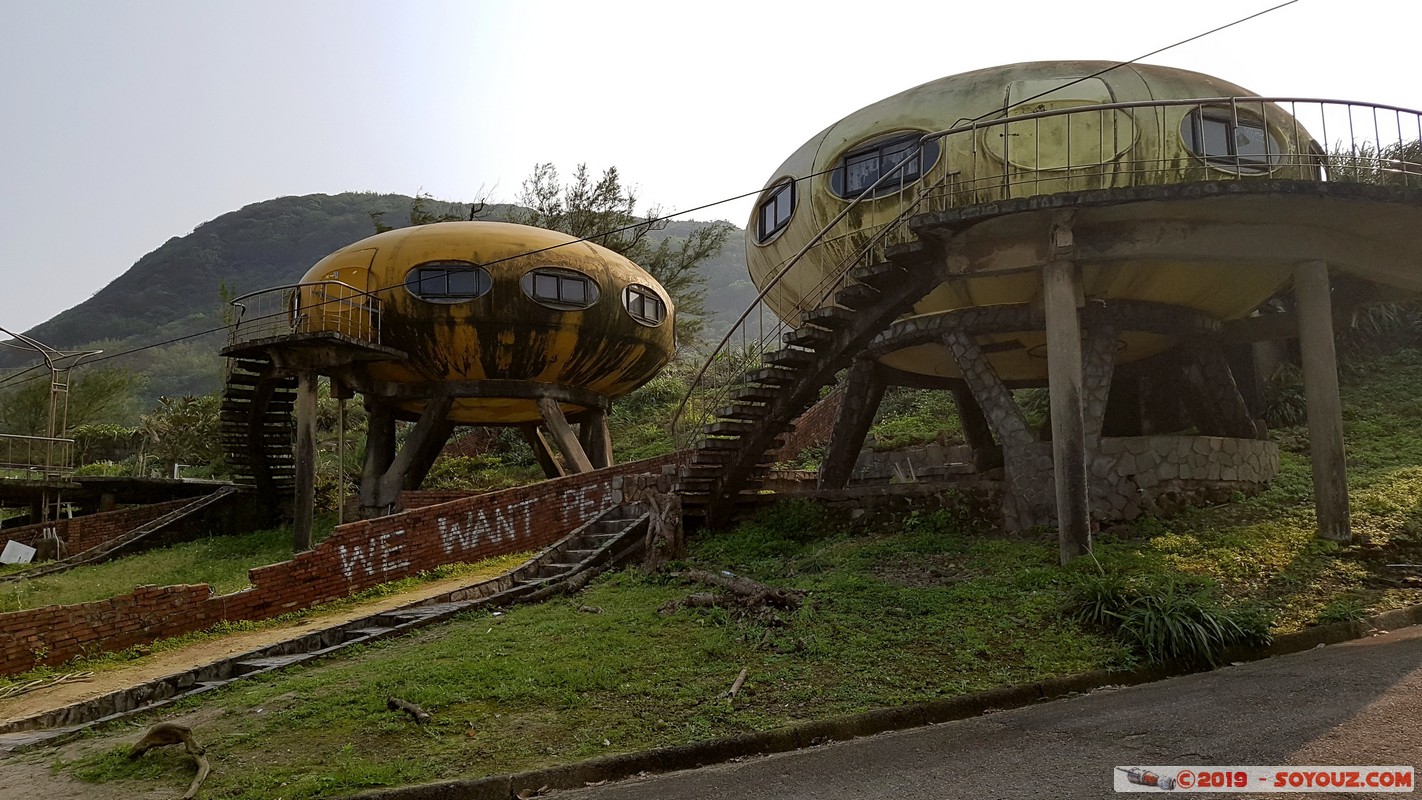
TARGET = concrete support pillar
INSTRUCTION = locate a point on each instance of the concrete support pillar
(977, 433)
(1060, 287)
(421, 462)
(425, 442)
(1325, 409)
(563, 435)
(305, 504)
(1213, 398)
(1098, 365)
(379, 453)
(541, 451)
(595, 438)
(863, 391)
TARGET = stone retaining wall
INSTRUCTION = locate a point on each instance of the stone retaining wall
(355, 557)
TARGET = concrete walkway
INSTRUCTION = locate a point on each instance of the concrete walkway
(1358, 703)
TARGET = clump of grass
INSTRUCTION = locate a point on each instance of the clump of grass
(1166, 624)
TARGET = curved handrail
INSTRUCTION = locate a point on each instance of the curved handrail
(364, 323)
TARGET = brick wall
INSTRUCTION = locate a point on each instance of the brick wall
(813, 427)
(91, 530)
(356, 556)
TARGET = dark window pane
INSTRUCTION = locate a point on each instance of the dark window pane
(545, 287)
(783, 205)
(860, 172)
(767, 218)
(1249, 143)
(461, 283)
(575, 290)
(657, 310)
(1215, 137)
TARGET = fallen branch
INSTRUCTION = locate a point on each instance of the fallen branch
(419, 715)
(750, 592)
(736, 687)
(43, 683)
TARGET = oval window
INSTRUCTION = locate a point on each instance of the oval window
(563, 289)
(772, 214)
(859, 168)
(1224, 138)
(448, 281)
(644, 305)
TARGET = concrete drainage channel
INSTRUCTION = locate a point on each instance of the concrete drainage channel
(607, 540)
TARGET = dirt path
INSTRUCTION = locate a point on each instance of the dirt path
(207, 651)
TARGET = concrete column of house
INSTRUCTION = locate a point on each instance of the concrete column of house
(1325, 410)
(304, 507)
(595, 438)
(977, 433)
(563, 435)
(379, 453)
(542, 451)
(1060, 292)
(430, 433)
(863, 391)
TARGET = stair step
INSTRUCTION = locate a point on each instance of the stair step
(743, 411)
(351, 634)
(773, 376)
(728, 427)
(267, 662)
(762, 394)
(789, 356)
(830, 317)
(807, 337)
(856, 295)
(884, 273)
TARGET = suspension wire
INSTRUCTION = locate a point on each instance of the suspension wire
(652, 221)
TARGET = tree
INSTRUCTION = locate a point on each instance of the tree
(604, 211)
(96, 396)
(185, 430)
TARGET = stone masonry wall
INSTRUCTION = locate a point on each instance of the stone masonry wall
(355, 557)
(925, 462)
(89, 531)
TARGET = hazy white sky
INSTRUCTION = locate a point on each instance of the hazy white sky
(124, 123)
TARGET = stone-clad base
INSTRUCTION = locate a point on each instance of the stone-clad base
(1128, 476)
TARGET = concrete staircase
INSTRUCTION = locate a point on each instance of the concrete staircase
(257, 427)
(729, 463)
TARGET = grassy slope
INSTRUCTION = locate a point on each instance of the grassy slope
(221, 561)
(921, 608)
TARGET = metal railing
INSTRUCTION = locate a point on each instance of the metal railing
(304, 308)
(36, 456)
(1156, 142)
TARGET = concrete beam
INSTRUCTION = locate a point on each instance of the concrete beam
(428, 438)
(863, 391)
(541, 451)
(305, 502)
(379, 453)
(595, 438)
(1060, 285)
(1325, 410)
(563, 435)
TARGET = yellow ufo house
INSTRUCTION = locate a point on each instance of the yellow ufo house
(453, 323)
(1053, 151)
(1114, 232)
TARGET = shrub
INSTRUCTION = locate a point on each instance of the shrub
(1167, 625)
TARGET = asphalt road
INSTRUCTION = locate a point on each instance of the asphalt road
(1358, 703)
